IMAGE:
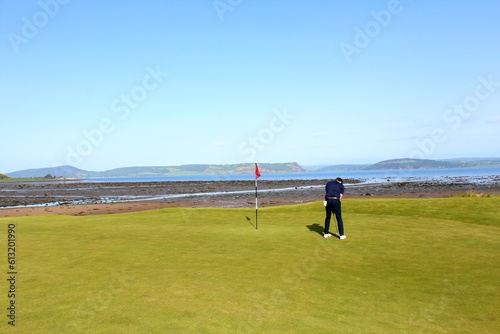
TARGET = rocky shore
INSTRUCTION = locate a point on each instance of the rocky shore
(85, 198)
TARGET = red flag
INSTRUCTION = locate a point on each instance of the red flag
(257, 171)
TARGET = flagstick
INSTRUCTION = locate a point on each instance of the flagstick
(256, 216)
(257, 175)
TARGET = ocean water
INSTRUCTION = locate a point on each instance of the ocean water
(479, 175)
(365, 175)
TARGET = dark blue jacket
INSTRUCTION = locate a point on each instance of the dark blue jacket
(334, 189)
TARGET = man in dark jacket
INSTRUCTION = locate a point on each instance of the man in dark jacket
(334, 192)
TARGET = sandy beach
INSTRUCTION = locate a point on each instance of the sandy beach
(91, 198)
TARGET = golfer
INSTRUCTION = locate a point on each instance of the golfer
(334, 192)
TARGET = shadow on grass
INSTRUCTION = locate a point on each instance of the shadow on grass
(249, 220)
(316, 228)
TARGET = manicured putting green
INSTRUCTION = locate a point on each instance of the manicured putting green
(407, 266)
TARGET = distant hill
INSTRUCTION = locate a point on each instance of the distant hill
(410, 164)
(248, 168)
(389, 165)
(201, 169)
(192, 169)
(64, 171)
(475, 162)
(416, 164)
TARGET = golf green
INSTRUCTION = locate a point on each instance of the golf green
(407, 266)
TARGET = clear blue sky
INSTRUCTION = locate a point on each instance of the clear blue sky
(107, 84)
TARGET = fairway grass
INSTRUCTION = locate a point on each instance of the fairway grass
(407, 266)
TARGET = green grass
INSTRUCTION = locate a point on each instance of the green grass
(473, 193)
(23, 179)
(407, 266)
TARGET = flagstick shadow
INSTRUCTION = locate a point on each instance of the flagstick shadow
(249, 220)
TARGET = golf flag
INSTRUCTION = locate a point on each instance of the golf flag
(257, 175)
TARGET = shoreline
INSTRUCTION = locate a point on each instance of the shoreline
(90, 198)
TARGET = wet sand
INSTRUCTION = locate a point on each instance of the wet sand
(91, 198)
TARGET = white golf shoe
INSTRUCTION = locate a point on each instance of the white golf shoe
(327, 235)
(342, 237)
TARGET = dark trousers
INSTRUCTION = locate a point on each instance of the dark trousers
(334, 205)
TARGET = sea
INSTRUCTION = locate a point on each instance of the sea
(472, 175)
(440, 174)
